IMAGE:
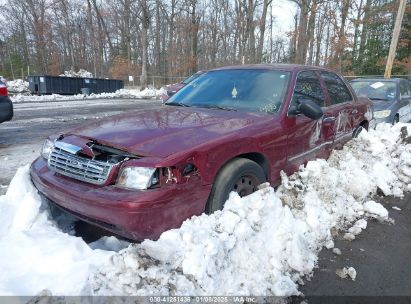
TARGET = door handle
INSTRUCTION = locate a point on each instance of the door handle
(329, 119)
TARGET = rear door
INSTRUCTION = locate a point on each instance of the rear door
(405, 101)
(307, 138)
(342, 107)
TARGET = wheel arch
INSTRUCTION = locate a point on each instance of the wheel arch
(256, 157)
(364, 124)
(260, 159)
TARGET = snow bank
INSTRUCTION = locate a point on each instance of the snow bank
(127, 93)
(18, 86)
(81, 73)
(35, 254)
(122, 93)
(263, 244)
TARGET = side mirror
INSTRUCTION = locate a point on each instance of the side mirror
(309, 109)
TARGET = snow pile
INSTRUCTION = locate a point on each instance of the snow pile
(361, 224)
(265, 243)
(81, 73)
(35, 253)
(375, 209)
(18, 86)
(347, 272)
(44, 98)
(131, 93)
(122, 93)
(220, 254)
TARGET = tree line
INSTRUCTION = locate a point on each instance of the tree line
(168, 38)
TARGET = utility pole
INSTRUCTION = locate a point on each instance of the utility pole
(394, 39)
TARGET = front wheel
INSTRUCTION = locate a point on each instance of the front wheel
(240, 175)
(357, 131)
(396, 119)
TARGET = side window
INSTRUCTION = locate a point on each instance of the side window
(336, 88)
(308, 86)
(405, 89)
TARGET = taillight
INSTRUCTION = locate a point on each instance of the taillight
(3, 90)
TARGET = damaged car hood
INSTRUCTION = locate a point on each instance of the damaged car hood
(166, 130)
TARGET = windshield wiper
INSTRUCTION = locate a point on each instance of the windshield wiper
(216, 107)
(180, 104)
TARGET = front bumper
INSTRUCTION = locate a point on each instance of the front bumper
(388, 120)
(133, 214)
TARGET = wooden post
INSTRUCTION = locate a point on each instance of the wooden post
(394, 39)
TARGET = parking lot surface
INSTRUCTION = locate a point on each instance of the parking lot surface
(21, 139)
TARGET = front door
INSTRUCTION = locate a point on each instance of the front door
(307, 138)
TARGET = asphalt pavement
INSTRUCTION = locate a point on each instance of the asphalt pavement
(381, 255)
(34, 121)
(21, 138)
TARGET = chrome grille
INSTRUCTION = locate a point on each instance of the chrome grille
(80, 168)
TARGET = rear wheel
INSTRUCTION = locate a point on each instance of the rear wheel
(240, 175)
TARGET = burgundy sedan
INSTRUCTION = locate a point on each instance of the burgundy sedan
(231, 129)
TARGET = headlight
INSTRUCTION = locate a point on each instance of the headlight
(47, 148)
(382, 114)
(137, 178)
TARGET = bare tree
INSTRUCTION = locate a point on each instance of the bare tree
(263, 18)
(174, 38)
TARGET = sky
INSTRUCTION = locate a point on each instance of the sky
(284, 11)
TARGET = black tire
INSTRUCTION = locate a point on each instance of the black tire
(396, 119)
(357, 131)
(241, 175)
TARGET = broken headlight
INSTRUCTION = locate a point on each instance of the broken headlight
(137, 178)
(47, 148)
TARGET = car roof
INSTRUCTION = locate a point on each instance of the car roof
(271, 66)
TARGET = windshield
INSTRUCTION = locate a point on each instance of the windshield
(247, 90)
(377, 90)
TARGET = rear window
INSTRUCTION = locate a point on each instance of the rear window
(337, 90)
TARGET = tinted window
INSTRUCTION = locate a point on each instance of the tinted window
(405, 89)
(248, 90)
(308, 86)
(337, 90)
